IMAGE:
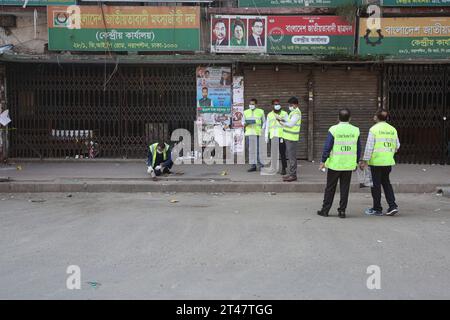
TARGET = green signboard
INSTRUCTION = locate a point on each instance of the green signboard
(295, 3)
(126, 28)
(407, 38)
(41, 3)
(415, 3)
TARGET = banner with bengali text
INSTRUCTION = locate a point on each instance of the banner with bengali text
(407, 37)
(124, 28)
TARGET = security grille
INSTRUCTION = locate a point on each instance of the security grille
(62, 110)
(418, 97)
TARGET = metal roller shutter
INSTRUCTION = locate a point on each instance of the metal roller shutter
(265, 84)
(336, 88)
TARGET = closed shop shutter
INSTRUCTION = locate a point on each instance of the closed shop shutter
(266, 84)
(336, 88)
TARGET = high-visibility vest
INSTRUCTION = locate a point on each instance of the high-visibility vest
(293, 133)
(153, 151)
(385, 144)
(343, 156)
(256, 114)
(275, 128)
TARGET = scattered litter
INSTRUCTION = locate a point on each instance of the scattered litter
(19, 168)
(37, 200)
(224, 173)
(272, 193)
(306, 220)
(174, 201)
(379, 241)
(437, 210)
(212, 180)
(424, 170)
(179, 173)
(3, 199)
(94, 284)
(69, 196)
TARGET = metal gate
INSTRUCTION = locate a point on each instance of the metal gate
(418, 98)
(58, 110)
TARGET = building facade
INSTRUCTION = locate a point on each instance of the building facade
(129, 75)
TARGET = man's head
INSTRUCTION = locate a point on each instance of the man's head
(253, 103)
(276, 105)
(293, 103)
(161, 146)
(344, 115)
(220, 30)
(381, 115)
(257, 27)
(204, 92)
(206, 74)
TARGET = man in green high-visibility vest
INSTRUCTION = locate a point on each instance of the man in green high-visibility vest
(340, 155)
(254, 122)
(291, 135)
(382, 144)
(274, 133)
(159, 159)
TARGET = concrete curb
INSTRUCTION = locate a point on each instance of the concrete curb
(194, 186)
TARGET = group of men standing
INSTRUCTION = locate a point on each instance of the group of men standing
(341, 154)
(281, 128)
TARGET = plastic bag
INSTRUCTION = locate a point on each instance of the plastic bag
(364, 177)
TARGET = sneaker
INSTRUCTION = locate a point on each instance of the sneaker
(373, 212)
(252, 169)
(392, 211)
(341, 214)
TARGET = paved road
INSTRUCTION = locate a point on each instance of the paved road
(220, 246)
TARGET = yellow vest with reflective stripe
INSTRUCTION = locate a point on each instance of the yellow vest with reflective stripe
(385, 144)
(344, 153)
(275, 128)
(153, 151)
(293, 133)
(254, 129)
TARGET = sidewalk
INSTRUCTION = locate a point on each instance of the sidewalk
(86, 175)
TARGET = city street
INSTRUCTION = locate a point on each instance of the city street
(220, 246)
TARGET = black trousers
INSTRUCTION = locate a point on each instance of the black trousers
(282, 149)
(344, 178)
(380, 177)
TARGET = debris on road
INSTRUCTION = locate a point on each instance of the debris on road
(94, 284)
(37, 200)
(173, 201)
(224, 173)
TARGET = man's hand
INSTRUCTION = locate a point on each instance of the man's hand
(149, 169)
(266, 139)
(322, 166)
(362, 164)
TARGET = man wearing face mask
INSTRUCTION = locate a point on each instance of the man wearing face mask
(254, 123)
(274, 132)
(159, 159)
(291, 135)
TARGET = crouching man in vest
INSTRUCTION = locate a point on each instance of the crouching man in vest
(159, 159)
(382, 144)
(341, 153)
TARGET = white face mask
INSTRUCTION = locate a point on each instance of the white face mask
(277, 107)
(251, 106)
(158, 151)
(291, 108)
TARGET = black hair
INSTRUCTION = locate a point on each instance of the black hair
(254, 100)
(382, 114)
(293, 100)
(275, 100)
(257, 20)
(344, 115)
(205, 88)
(162, 144)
